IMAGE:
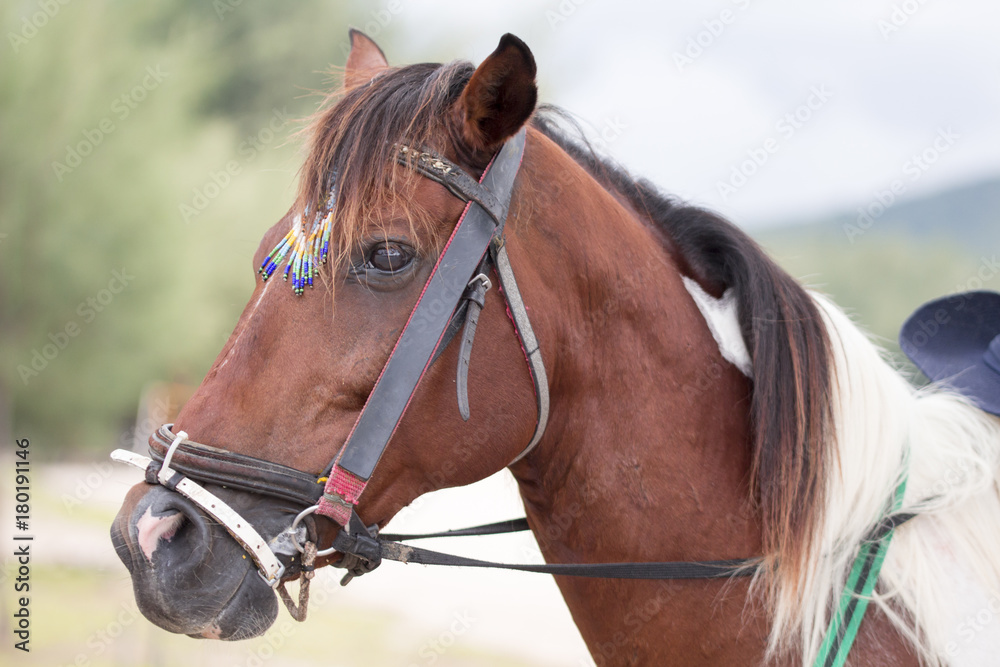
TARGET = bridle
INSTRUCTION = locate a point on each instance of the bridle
(451, 300)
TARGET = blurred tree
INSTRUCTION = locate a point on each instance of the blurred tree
(145, 149)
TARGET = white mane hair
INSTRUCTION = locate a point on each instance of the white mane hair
(940, 583)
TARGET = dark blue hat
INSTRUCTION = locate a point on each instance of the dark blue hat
(956, 341)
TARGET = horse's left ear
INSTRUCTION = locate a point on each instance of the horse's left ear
(364, 61)
(500, 96)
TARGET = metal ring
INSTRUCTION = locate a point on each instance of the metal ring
(295, 523)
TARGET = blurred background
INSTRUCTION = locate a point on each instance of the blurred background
(145, 148)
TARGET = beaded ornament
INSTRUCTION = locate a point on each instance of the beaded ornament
(306, 247)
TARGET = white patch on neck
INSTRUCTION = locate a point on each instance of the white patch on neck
(722, 318)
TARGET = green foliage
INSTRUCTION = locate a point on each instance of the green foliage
(153, 140)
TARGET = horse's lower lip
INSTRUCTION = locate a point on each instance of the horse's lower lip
(121, 547)
(210, 631)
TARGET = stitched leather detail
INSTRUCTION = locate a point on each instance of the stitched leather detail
(210, 465)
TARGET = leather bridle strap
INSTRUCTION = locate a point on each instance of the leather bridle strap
(369, 548)
(211, 465)
(479, 230)
(460, 184)
(270, 568)
(388, 546)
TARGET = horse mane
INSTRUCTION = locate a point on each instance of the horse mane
(784, 333)
(353, 142)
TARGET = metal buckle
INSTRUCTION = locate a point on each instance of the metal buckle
(273, 583)
(487, 283)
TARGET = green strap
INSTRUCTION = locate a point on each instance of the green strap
(857, 593)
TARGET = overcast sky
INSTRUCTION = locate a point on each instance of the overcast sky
(688, 92)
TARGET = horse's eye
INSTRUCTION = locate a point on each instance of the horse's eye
(389, 257)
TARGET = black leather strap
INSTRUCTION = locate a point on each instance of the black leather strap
(442, 170)
(475, 296)
(425, 329)
(364, 550)
(498, 528)
(210, 465)
(454, 326)
(712, 569)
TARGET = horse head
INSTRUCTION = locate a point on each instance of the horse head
(290, 382)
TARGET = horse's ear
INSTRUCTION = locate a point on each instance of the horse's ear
(500, 96)
(365, 60)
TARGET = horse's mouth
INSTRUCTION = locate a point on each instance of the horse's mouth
(236, 620)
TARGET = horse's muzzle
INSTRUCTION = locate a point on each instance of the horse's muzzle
(189, 576)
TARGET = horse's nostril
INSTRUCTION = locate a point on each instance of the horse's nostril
(172, 525)
(151, 529)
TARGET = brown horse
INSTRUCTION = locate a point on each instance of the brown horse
(704, 406)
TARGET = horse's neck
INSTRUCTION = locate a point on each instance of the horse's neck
(646, 455)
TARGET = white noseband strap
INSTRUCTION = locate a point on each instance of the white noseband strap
(268, 564)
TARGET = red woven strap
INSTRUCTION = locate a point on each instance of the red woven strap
(341, 493)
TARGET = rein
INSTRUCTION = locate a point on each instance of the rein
(451, 300)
